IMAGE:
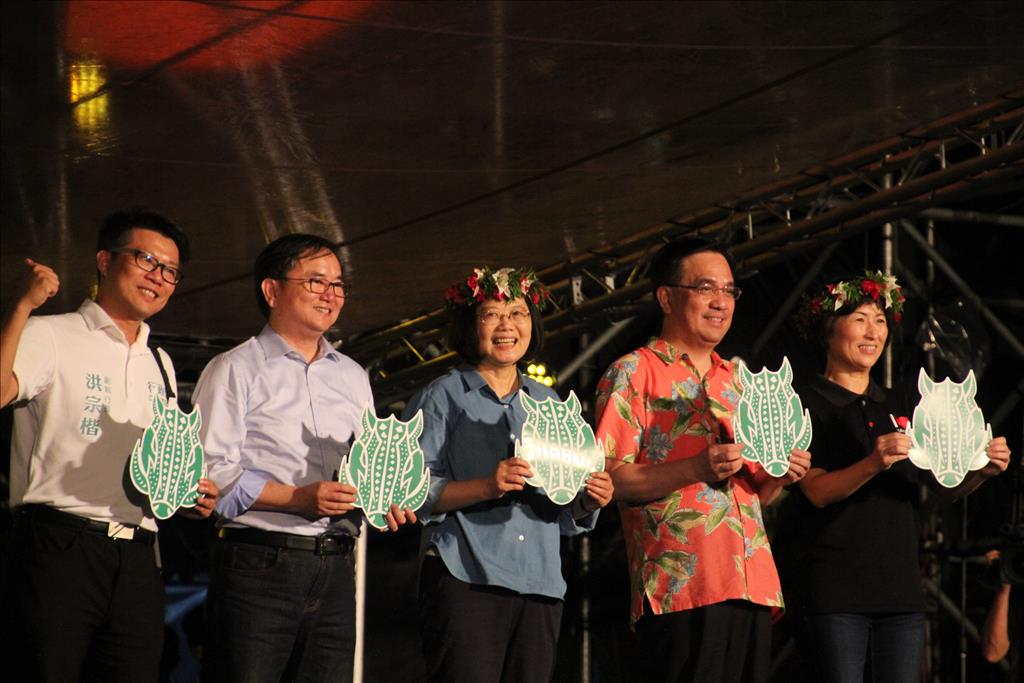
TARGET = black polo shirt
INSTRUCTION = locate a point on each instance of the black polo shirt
(861, 553)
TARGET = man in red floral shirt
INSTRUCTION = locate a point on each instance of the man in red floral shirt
(703, 580)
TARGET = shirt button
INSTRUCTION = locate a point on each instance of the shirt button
(521, 537)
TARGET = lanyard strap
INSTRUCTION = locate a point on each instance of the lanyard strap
(163, 373)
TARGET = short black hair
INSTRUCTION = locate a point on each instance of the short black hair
(281, 255)
(667, 261)
(463, 339)
(116, 228)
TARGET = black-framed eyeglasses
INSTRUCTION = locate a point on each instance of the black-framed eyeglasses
(706, 290)
(316, 285)
(148, 263)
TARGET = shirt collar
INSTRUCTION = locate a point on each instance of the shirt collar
(669, 354)
(274, 345)
(98, 319)
(842, 397)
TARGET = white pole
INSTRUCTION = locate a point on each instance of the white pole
(357, 658)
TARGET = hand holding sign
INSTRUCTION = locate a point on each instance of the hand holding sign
(948, 434)
(770, 420)
(386, 466)
(559, 446)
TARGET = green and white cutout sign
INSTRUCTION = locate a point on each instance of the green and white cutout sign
(948, 434)
(167, 462)
(559, 445)
(386, 466)
(769, 419)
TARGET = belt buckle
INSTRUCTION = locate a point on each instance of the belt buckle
(120, 531)
(327, 545)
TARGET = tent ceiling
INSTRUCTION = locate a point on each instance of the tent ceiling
(429, 137)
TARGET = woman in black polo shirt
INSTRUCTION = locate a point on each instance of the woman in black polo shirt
(857, 584)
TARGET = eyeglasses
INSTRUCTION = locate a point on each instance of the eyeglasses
(492, 317)
(706, 291)
(148, 263)
(316, 285)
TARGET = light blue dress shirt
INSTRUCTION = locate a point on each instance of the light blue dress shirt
(270, 416)
(514, 541)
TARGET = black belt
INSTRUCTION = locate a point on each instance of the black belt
(324, 544)
(113, 530)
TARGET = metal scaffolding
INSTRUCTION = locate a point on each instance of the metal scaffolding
(960, 156)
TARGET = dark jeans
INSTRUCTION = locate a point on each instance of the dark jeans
(279, 614)
(484, 634)
(84, 607)
(836, 647)
(725, 642)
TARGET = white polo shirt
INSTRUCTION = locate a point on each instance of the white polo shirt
(84, 398)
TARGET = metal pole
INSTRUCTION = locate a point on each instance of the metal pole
(888, 254)
(357, 657)
(958, 282)
(794, 296)
(1008, 405)
(952, 215)
(933, 568)
(589, 350)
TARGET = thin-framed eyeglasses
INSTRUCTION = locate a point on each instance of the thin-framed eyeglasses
(706, 290)
(316, 285)
(148, 263)
(492, 317)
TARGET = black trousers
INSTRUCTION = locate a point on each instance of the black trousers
(279, 614)
(84, 607)
(485, 634)
(721, 643)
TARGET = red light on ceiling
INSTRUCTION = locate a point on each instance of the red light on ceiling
(136, 35)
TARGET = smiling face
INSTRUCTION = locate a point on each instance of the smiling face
(295, 311)
(504, 330)
(128, 293)
(693, 321)
(858, 339)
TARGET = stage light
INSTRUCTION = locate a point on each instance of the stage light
(539, 372)
(85, 79)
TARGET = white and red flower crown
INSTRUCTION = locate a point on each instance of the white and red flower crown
(503, 284)
(875, 287)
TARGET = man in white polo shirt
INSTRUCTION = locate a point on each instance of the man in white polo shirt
(85, 588)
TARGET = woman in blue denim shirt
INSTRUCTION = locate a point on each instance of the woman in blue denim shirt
(491, 584)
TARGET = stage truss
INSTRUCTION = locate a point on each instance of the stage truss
(916, 173)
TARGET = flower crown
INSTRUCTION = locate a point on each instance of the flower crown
(875, 287)
(501, 285)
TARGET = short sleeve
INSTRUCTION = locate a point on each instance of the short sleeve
(620, 410)
(35, 361)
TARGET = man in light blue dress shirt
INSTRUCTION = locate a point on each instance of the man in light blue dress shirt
(279, 413)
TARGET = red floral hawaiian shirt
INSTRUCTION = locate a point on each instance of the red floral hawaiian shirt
(701, 544)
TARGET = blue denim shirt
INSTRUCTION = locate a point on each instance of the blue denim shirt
(514, 541)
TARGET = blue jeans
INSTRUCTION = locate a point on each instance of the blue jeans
(837, 647)
(279, 614)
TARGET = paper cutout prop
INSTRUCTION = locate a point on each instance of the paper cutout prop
(769, 419)
(167, 462)
(559, 445)
(386, 465)
(948, 434)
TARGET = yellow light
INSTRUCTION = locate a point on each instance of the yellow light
(85, 79)
(541, 370)
(548, 381)
(531, 369)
